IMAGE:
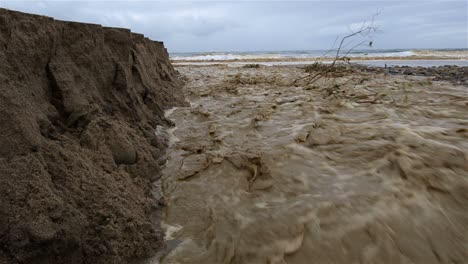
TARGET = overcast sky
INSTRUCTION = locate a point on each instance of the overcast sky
(268, 25)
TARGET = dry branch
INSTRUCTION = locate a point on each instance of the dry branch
(366, 30)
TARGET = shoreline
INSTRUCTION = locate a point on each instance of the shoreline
(369, 62)
(329, 59)
(455, 74)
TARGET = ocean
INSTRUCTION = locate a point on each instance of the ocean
(377, 57)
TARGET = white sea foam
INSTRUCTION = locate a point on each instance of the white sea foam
(228, 56)
(313, 54)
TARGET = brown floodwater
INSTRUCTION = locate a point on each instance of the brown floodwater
(360, 168)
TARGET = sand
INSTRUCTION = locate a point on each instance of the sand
(359, 167)
(79, 107)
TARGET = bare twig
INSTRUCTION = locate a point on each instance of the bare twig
(366, 30)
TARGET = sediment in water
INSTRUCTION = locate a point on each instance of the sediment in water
(360, 166)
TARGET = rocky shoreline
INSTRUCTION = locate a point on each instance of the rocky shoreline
(451, 73)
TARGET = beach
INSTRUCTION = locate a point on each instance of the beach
(200, 132)
(364, 165)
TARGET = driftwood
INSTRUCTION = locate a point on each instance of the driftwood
(366, 30)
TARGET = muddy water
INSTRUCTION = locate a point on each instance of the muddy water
(354, 169)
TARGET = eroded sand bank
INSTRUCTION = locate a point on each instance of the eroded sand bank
(356, 168)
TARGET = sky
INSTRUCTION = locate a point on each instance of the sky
(191, 26)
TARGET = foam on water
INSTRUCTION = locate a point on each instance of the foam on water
(313, 54)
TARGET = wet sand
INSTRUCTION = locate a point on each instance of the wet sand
(360, 167)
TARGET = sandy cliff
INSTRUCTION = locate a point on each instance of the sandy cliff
(79, 104)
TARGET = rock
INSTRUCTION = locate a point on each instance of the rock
(123, 152)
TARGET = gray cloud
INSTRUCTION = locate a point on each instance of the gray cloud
(268, 25)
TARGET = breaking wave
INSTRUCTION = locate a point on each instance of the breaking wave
(313, 54)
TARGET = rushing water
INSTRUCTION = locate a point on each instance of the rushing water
(351, 170)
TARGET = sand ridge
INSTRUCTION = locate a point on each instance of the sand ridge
(79, 104)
